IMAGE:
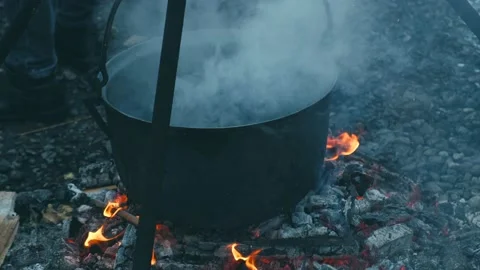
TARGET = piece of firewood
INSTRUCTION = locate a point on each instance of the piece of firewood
(9, 222)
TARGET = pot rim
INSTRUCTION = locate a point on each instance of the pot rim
(118, 58)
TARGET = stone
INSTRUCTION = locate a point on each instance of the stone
(429, 152)
(49, 156)
(443, 154)
(467, 177)
(435, 176)
(323, 201)
(475, 170)
(374, 195)
(432, 187)
(446, 207)
(474, 203)
(361, 206)
(318, 231)
(301, 218)
(438, 160)
(32, 198)
(474, 218)
(476, 180)
(16, 175)
(454, 259)
(418, 140)
(389, 241)
(34, 267)
(318, 266)
(5, 166)
(448, 178)
(288, 232)
(458, 156)
(3, 179)
(97, 174)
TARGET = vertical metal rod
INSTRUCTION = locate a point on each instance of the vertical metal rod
(17, 27)
(167, 75)
(468, 14)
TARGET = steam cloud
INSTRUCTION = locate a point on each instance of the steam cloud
(257, 61)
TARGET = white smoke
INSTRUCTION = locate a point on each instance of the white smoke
(257, 61)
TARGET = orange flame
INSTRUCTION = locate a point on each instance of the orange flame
(115, 206)
(249, 260)
(97, 236)
(344, 145)
(153, 261)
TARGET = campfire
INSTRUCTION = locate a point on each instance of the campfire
(363, 216)
(278, 243)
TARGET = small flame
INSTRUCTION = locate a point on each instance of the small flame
(343, 145)
(115, 206)
(153, 261)
(97, 236)
(249, 260)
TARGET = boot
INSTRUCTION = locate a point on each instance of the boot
(78, 49)
(26, 99)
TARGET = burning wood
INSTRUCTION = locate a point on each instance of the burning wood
(97, 236)
(327, 228)
(108, 207)
(343, 145)
(114, 207)
(249, 260)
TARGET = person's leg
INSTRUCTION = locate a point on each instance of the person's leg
(76, 34)
(34, 54)
(32, 91)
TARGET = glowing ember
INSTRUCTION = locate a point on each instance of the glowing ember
(343, 145)
(96, 237)
(115, 206)
(249, 260)
(153, 261)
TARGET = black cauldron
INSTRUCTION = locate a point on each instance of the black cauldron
(223, 177)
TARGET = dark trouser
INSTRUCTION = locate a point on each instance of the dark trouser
(34, 55)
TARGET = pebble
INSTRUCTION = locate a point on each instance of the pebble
(448, 178)
(301, 218)
(3, 179)
(435, 176)
(432, 187)
(318, 266)
(463, 130)
(438, 160)
(475, 171)
(458, 156)
(34, 267)
(16, 175)
(443, 154)
(429, 152)
(39, 196)
(324, 201)
(475, 180)
(374, 195)
(474, 203)
(389, 241)
(5, 166)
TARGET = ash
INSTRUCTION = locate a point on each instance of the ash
(416, 108)
(369, 218)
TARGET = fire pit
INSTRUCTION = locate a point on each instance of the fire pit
(228, 169)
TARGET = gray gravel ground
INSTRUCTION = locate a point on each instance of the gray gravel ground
(416, 102)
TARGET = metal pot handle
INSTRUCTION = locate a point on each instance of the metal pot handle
(328, 34)
(102, 67)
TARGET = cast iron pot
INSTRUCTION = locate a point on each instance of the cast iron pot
(228, 177)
